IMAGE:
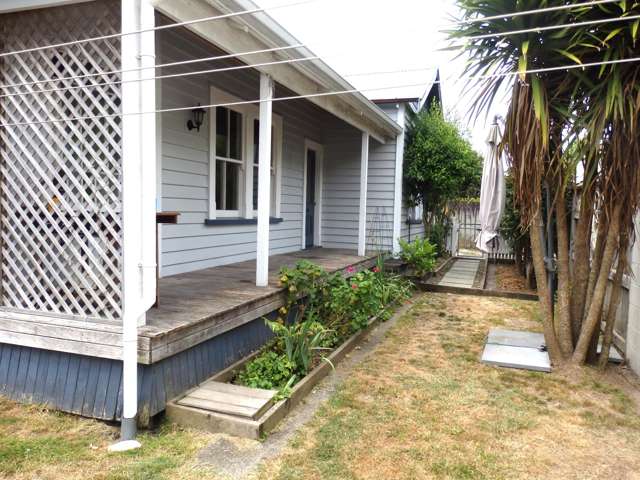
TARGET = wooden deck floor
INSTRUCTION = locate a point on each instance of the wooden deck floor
(200, 305)
(194, 307)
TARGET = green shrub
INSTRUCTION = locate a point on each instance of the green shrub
(302, 341)
(334, 308)
(419, 254)
(269, 370)
(304, 280)
(437, 236)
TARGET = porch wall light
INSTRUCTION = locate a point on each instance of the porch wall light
(197, 119)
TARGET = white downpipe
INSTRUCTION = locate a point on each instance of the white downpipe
(397, 195)
(264, 181)
(362, 216)
(148, 154)
(138, 201)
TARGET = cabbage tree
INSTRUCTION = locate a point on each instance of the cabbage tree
(559, 119)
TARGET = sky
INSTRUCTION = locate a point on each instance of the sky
(357, 37)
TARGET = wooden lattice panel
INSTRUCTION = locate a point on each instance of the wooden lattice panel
(61, 183)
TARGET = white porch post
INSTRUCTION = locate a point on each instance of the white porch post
(397, 191)
(138, 200)
(362, 217)
(264, 180)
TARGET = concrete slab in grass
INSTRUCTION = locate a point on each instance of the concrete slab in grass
(515, 338)
(516, 357)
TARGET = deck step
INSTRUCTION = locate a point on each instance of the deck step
(229, 399)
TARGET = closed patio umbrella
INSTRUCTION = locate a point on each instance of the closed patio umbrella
(492, 192)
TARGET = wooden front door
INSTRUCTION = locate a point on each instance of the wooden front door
(310, 210)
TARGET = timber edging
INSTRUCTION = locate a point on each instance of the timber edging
(430, 287)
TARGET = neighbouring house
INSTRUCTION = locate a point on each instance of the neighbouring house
(627, 327)
(97, 188)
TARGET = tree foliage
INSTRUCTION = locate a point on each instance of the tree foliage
(440, 166)
(559, 118)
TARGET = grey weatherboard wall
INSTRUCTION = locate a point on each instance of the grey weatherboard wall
(192, 245)
(381, 186)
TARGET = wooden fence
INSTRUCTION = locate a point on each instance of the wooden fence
(465, 230)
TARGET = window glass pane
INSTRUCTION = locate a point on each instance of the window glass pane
(256, 140)
(256, 143)
(220, 185)
(235, 135)
(256, 148)
(255, 188)
(232, 186)
(222, 131)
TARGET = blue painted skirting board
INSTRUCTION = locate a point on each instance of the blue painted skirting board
(92, 387)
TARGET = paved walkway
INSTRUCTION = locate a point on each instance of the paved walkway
(462, 273)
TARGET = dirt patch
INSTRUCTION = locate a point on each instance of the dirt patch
(423, 406)
(508, 278)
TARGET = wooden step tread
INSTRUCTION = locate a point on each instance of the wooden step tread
(229, 399)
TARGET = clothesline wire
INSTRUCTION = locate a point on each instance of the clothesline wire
(318, 95)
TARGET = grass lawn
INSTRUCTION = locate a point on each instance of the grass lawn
(38, 444)
(421, 406)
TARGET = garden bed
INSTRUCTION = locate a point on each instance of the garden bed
(257, 428)
(324, 317)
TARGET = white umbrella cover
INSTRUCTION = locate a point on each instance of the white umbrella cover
(492, 192)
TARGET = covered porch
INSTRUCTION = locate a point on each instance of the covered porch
(256, 181)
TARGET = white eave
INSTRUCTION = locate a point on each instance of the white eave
(8, 6)
(259, 31)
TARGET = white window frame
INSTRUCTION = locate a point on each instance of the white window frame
(245, 201)
(317, 231)
(276, 176)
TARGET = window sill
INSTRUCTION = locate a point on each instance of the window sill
(214, 222)
(414, 222)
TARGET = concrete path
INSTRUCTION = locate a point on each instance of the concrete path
(462, 273)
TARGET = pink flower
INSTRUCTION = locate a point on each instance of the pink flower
(375, 269)
(354, 286)
(351, 269)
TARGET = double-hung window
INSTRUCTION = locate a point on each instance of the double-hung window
(234, 152)
(276, 143)
(229, 158)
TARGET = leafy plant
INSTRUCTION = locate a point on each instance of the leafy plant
(420, 254)
(441, 166)
(301, 340)
(335, 307)
(269, 370)
(303, 280)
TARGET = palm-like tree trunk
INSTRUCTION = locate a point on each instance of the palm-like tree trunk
(581, 262)
(537, 252)
(614, 300)
(594, 314)
(563, 309)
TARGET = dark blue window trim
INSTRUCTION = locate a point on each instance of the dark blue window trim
(212, 222)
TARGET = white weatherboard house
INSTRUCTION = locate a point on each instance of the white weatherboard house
(89, 174)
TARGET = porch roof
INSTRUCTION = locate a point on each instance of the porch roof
(259, 31)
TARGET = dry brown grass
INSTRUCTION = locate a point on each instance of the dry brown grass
(422, 406)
